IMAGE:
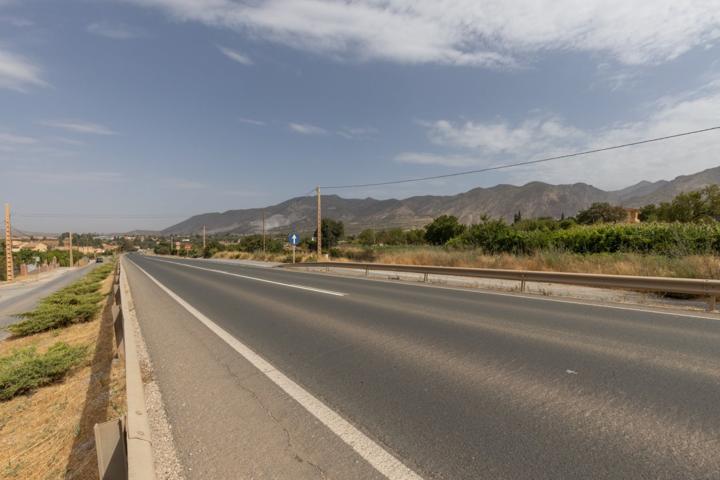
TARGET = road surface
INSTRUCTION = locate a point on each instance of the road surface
(453, 384)
(24, 296)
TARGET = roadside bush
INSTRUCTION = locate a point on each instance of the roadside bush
(670, 239)
(76, 303)
(25, 370)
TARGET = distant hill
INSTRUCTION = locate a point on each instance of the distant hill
(535, 199)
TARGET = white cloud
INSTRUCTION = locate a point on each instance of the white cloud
(493, 138)
(19, 22)
(235, 55)
(80, 127)
(16, 73)
(115, 31)
(449, 160)
(72, 177)
(487, 144)
(12, 139)
(353, 133)
(307, 129)
(493, 33)
(252, 121)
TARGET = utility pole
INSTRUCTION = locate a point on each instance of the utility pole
(71, 252)
(203, 238)
(319, 225)
(8, 246)
(263, 231)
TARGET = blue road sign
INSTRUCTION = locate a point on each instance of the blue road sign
(294, 239)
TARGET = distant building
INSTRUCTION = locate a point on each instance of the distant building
(633, 215)
(18, 245)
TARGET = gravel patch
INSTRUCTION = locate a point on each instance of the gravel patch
(167, 462)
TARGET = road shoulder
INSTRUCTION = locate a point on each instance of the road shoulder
(229, 420)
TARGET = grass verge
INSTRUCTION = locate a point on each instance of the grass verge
(619, 263)
(47, 433)
(76, 303)
(25, 369)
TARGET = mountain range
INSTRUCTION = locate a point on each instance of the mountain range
(535, 199)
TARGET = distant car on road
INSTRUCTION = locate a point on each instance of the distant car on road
(99, 260)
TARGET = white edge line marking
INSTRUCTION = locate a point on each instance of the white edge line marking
(383, 461)
(487, 291)
(291, 285)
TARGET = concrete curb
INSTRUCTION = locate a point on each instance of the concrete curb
(137, 427)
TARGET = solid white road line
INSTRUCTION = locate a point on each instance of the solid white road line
(383, 461)
(291, 285)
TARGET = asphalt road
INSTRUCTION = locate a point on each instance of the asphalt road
(455, 384)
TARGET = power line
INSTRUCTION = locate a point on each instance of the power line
(518, 164)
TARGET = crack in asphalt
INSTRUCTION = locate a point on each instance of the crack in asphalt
(289, 447)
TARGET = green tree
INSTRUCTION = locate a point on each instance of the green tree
(698, 206)
(332, 232)
(415, 236)
(442, 229)
(601, 212)
(367, 237)
(648, 213)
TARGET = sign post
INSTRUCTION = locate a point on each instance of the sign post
(293, 239)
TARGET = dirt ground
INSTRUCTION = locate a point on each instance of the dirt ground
(48, 434)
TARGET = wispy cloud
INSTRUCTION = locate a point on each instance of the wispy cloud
(19, 22)
(235, 55)
(80, 127)
(12, 139)
(492, 33)
(17, 73)
(446, 160)
(115, 31)
(307, 129)
(483, 144)
(72, 177)
(252, 121)
(354, 133)
(533, 134)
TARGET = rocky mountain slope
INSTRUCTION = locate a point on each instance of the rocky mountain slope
(535, 199)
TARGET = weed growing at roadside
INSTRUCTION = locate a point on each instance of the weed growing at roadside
(78, 302)
(25, 370)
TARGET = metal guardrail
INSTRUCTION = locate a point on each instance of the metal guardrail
(692, 286)
(124, 448)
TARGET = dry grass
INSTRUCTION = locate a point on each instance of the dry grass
(285, 257)
(694, 266)
(49, 434)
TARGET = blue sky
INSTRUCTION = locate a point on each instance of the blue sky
(138, 113)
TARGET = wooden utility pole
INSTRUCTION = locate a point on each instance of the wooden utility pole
(71, 252)
(319, 225)
(263, 230)
(203, 238)
(8, 246)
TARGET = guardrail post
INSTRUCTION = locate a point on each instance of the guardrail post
(425, 277)
(367, 271)
(522, 284)
(712, 303)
